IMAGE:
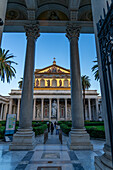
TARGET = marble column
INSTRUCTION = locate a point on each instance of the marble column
(42, 109)
(5, 111)
(14, 112)
(18, 109)
(78, 137)
(96, 101)
(89, 108)
(34, 109)
(58, 114)
(49, 109)
(1, 111)
(104, 161)
(24, 139)
(65, 109)
(10, 106)
(3, 7)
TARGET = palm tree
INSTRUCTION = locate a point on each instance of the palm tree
(85, 85)
(6, 69)
(95, 70)
(20, 83)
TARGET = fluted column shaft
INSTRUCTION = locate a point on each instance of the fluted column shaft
(1, 111)
(76, 88)
(18, 109)
(34, 109)
(5, 111)
(89, 109)
(65, 109)
(49, 109)
(96, 101)
(10, 106)
(58, 115)
(42, 109)
(26, 110)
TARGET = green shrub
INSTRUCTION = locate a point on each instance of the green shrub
(39, 129)
(2, 131)
(3, 122)
(65, 128)
(17, 123)
(94, 123)
(96, 133)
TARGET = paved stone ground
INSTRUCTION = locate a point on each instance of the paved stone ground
(52, 156)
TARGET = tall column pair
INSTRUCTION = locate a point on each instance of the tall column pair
(78, 137)
(24, 137)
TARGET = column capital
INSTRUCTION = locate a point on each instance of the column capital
(32, 30)
(72, 31)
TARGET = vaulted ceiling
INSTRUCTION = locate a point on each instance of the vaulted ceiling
(49, 10)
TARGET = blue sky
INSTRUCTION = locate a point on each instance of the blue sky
(48, 46)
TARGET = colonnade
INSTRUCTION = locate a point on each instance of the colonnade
(50, 109)
(25, 123)
(3, 111)
(91, 111)
(24, 138)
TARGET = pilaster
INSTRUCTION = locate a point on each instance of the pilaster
(104, 161)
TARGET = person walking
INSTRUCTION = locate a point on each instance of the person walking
(48, 125)
(55, 124)
(52, 128)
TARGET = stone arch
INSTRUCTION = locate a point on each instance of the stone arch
(85, 13)
(16, 12)
(60, 10)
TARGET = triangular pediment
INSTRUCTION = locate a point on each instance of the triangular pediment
(52, 70)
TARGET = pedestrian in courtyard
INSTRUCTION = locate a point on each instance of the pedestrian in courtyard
(48, 125)
(55, 124)
(56, 129)
(52, 128)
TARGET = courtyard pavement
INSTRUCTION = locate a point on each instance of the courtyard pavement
(49, 156)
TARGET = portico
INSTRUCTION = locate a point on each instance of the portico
(71, 17)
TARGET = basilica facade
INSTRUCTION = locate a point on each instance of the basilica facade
(52, 97)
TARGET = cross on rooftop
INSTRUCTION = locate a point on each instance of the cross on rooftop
(54, 62)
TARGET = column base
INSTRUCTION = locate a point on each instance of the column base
(79, 140)
(24, 139)
(104, 162)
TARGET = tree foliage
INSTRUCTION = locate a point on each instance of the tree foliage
(85, 86)
(7, 71)
(95, 70)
